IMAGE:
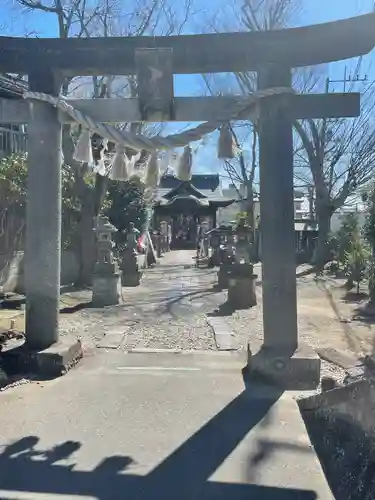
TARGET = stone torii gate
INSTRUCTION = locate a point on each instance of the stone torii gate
(272, 55)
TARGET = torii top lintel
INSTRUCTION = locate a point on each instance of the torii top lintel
(209, 53)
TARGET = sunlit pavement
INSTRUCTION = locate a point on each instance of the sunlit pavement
(155, 426)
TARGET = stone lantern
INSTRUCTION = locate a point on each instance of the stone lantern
(204, 239)
(106, 289)
(242, 245)
(131, 275)
(241, 279)
(157, 241)
(214, 243)
(230, 243)
(226, 255)
(164, 236)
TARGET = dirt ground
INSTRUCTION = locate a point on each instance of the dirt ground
(327, 303)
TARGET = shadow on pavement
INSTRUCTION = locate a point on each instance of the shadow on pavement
(184, 475)
(353, 297)
(169, 304)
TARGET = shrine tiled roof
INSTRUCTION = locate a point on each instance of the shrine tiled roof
(207, 194)
(209, 182)
(201, 185)
(12, 87)
(173, 188)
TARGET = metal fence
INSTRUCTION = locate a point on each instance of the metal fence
(12, 141)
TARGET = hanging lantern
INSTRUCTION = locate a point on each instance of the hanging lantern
(119, 170)
(226, 148)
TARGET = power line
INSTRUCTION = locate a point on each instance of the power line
(348, 78)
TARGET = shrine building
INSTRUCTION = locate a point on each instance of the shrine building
(185, 205)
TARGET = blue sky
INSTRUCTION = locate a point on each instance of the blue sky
(311, 12)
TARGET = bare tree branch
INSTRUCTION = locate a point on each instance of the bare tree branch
(37, 5)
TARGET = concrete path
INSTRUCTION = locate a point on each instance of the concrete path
(155, 426)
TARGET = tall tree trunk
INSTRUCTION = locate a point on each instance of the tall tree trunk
(91, 199)
(249, 184)
(249, 207)
(371, 281)
(92, 202)
(324, 214)
(86, 244)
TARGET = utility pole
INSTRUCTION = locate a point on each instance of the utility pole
(324, 127)
(347, 79)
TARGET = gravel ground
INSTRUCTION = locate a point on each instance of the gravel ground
(169, 311)
(159, 314)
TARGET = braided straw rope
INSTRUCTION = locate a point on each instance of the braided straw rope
(140, 142)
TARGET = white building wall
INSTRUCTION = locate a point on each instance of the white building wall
(301, 210)
(228, 214)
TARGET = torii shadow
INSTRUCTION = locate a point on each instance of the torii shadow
(184, 475)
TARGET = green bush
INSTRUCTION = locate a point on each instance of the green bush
(371, 281)
(13, 193)
(356, 262)
(333, 246)
(369, 234)
(346, 236)
(126, 204)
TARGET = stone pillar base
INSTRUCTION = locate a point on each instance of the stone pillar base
(131, 278)
(222, 276)
(215, 259)
(202, 261)
(298, 370)
(241, 291)
(106, 290)
(157, 247)
(53, 361)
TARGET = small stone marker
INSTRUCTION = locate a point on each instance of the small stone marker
(224, 337)
(339, 358)
(113, 339)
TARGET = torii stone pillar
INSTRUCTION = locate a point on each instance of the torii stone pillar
(281, 359)
(43, 217)
(277, 210)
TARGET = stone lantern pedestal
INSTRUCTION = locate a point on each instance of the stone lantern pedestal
(164, 237)
(214, 243)
(225, 255)
(241, 286)
(223, 275)
(106, 290)
(131, 275)
(157, 240)
(241, 279)
(242, 245)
